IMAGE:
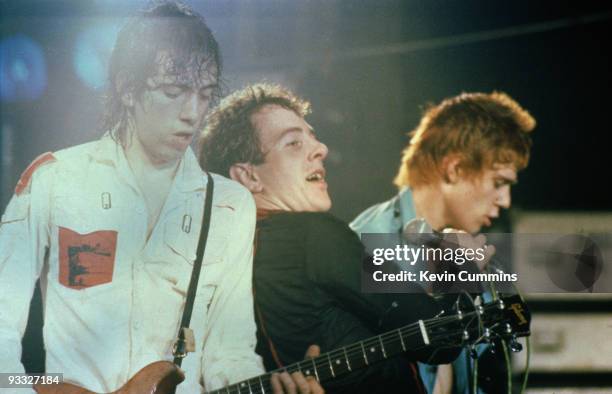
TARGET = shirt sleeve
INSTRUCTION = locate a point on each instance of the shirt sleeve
(23, 243)
(229, 353)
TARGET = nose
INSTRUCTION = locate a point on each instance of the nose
(503, 198)
(193, 109)
(319, 150)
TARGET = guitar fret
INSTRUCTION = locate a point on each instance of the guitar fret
(382, 347)
(315, 368)
(348, 363)
(365, 356)
(424, 332)
(399, 331)
(414, 334)
(331, 366)
(245, 384)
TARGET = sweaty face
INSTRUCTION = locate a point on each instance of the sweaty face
(475, 202)
(170, 111)
(292, 175)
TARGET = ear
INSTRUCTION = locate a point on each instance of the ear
(451, 168)
(244, 174)
(127, 97)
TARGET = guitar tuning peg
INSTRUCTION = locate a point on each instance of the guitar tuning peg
(515, 345)
(487, 334)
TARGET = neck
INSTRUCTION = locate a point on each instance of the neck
(429, 204)
(146, 165)
(264, 203)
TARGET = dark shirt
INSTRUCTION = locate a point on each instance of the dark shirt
(307, 282)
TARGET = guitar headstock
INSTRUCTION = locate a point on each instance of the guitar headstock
(506, 318)
(515, 314)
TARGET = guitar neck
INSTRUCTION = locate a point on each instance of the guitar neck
(336, 363)
(508, 317)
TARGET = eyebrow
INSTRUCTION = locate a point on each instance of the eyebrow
(186, 86)
(168, 80)
(288, 131)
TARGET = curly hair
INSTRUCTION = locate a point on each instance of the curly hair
(482, 129)
(230, 136)
(170, 33)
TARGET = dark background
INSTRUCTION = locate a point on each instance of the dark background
(368, 67)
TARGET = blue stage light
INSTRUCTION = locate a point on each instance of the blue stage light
(23, 70)
(92, 53)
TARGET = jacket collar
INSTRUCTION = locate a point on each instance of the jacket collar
(189, 176)
(404, 205)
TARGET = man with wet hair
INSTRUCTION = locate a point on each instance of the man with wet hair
(111, 229)
(456, 173)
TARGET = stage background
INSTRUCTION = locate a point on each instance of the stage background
(368, 67)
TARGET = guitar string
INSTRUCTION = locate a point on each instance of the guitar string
(324, 360)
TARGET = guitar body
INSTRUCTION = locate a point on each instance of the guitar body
(160, 377)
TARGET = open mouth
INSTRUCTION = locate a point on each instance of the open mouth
(317, 176)
(184, 135)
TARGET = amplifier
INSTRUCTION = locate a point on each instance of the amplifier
(571, 340)
(549, 228)
(569, 343)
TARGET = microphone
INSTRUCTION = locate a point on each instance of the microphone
(418, 231)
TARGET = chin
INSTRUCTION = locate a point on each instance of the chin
(323, 206)
(327, 205)
(476, 229)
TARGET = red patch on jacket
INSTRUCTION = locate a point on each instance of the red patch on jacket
(24, 180)
(86, 260)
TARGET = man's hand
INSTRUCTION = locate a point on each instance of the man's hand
(297, 383)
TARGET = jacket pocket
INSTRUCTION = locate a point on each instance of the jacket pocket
(87, 237)
(86, 260)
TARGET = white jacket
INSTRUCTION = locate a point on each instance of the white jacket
(113, 300)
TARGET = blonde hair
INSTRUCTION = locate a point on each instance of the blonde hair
(481, 129)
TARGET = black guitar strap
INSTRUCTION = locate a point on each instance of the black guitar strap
(185, 335)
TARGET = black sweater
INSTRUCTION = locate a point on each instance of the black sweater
(307, 283)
